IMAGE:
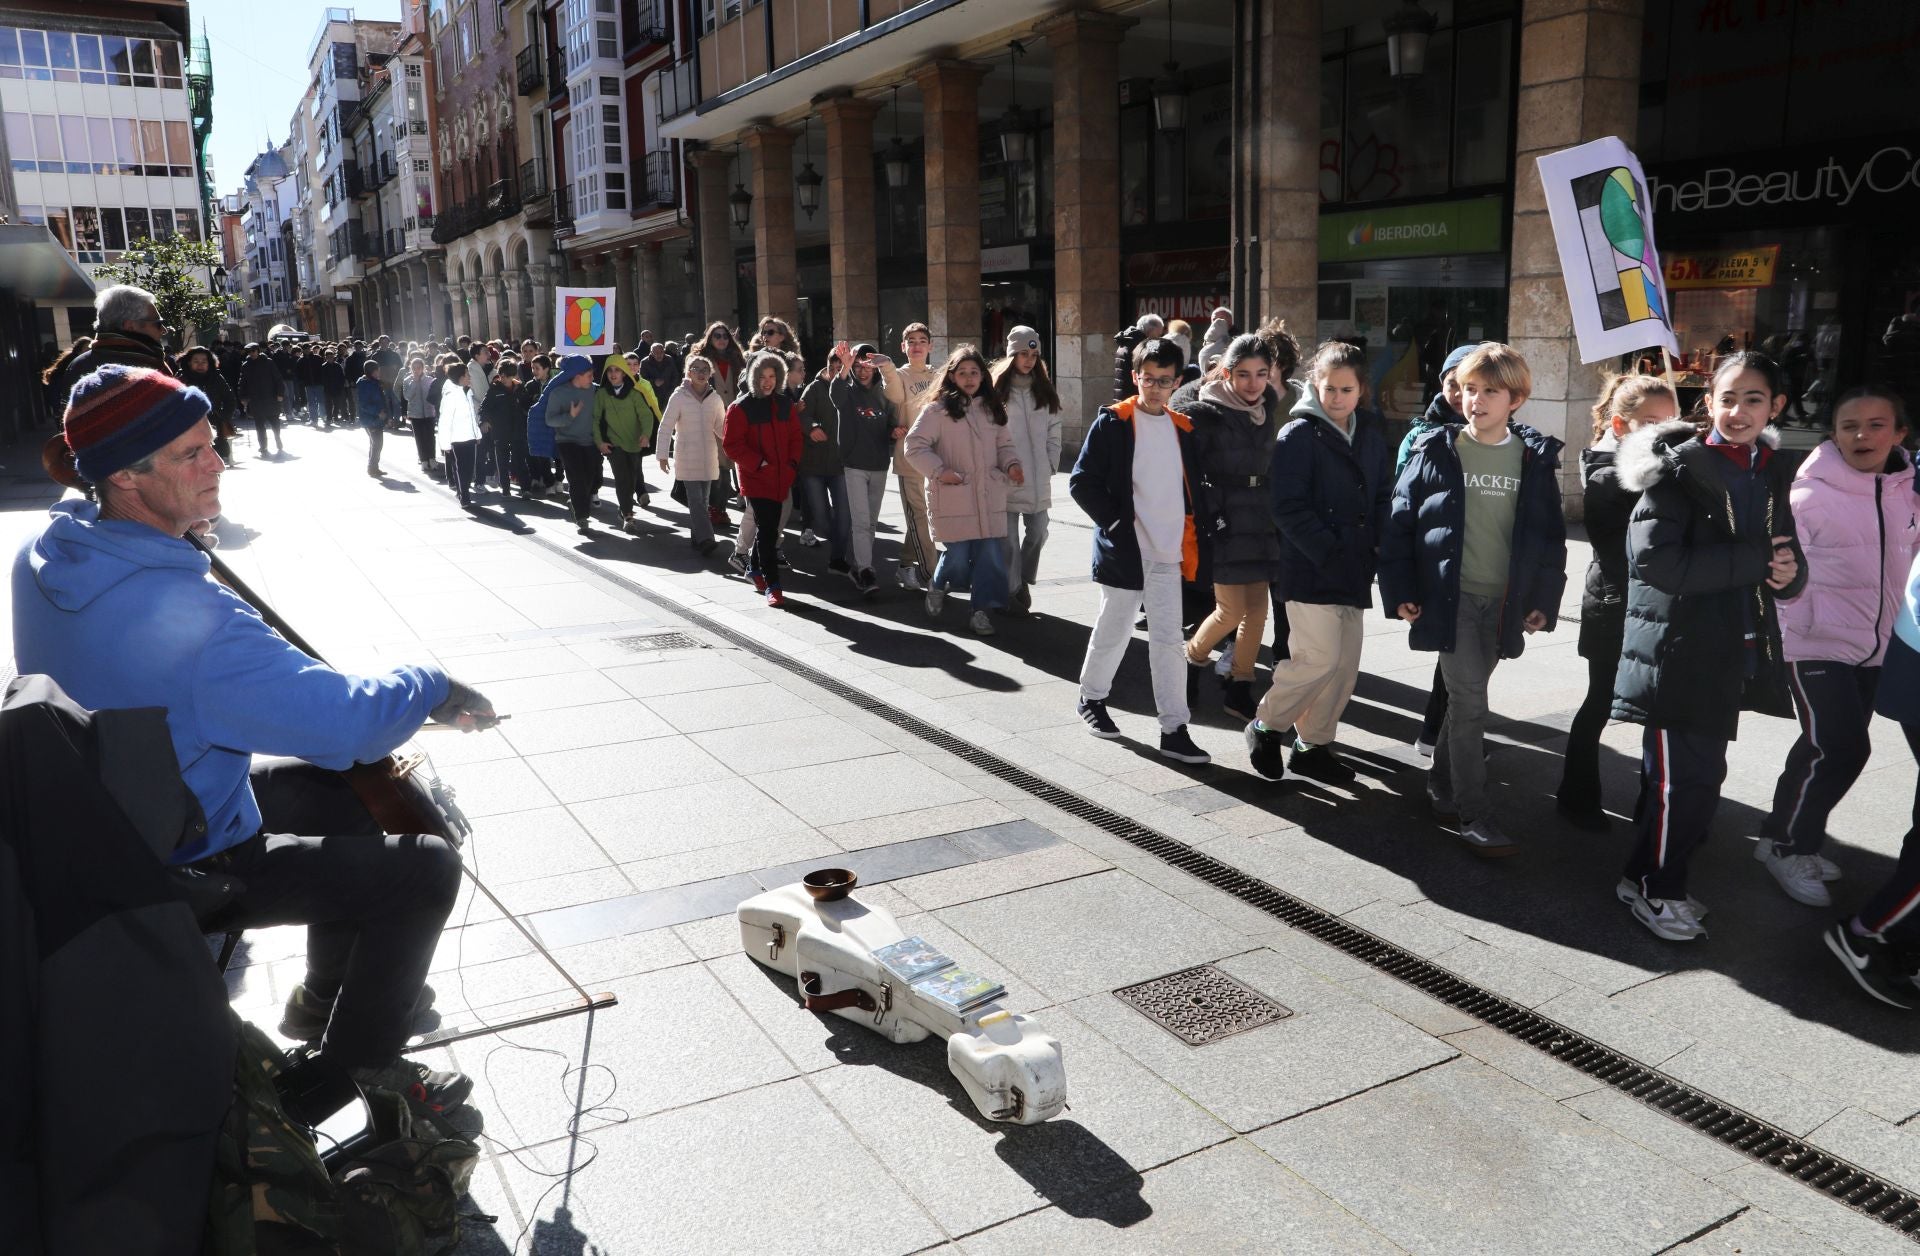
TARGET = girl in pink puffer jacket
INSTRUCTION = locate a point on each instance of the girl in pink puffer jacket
(1858, 521)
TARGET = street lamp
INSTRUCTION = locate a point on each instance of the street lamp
(1408, 29)
(1015, 142)
(898, 162)
(808, 180)
(739, 201)
(1169, 97)
(689, 267)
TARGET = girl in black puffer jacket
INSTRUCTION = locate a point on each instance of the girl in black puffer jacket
(1233, 436)
(1627, 404)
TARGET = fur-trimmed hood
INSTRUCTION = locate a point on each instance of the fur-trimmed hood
(1651, 454)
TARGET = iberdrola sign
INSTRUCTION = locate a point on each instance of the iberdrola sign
(1429, 230)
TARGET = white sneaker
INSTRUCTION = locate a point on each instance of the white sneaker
(1423, 748)
(910, 579)
(1829, 870)
(936, 601)
(809, 538)
(1224, 665)
(1798, 875)
(981, 623)
(1671, 919)
(1629, 893)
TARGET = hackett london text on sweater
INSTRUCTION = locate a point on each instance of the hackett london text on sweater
(1490, 474)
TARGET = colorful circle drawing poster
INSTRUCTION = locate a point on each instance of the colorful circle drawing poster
(1603, 230)
(583, 320)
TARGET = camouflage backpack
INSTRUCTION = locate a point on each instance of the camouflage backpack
(273, 1195)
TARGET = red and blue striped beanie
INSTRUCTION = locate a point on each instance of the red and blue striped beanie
(118, 415)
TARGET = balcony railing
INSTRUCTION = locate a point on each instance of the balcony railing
(653, 181)
(677, 94)
(386, 171)
(563, 207)
(528, 69)
(498, 202)
(649, 23)
(351, 180)
(533, 180)
(556, 74)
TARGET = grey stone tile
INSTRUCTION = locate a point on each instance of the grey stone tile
(1004, 875)
(489, 789)
(810, 1040)
(1042, 705)
(1585, 966)
(445, 749)
(1407, 928)
(1521, 1062)
(592, 885)
(1617, 1026)
(1517, 1172)
(795, 743)
(482, 669)
(1015, 837)
(675, 1038)
(684, 817)
(633, 913)
(600, 724)
(1416, 1007)
(905, 1104)
(631, 767)
(1200, 799)
(1228, 1198)
(1688, 1149)
(681, 674)
(861, 789)
(1754, 1233)
(1247, 820)
(461, 945)
(709, 862)
(922, 822)
(876, 864)
(567, 605)
(1892, 1151)
(756, 710)
(1334, 1045)
(1502, 973)
(521, 845)
(1753, 1088)
(1091, 934)
(695, 1161)
(1826, 1220)
(1021, 995)
(557, 692)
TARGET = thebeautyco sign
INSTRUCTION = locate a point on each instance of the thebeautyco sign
(1815, 185)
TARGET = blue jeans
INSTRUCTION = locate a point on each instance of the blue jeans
(825, 499)
(980, 566)
(316, 403)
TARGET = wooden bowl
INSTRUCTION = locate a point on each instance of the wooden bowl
(830, 884)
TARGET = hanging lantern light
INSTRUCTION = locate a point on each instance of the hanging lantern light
(1015, 141)
(898, 161)
(1408, 30)
(739, 201)
(1169, 97)
(808, 180)
(689, 267)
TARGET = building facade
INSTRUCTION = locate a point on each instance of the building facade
(335, 179)
(267, 199)
(99, 134)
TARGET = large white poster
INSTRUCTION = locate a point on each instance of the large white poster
(1603, 226)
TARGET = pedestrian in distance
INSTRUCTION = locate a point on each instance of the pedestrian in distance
(762, 437)
(961, 443)
(692, 428)
(1138, 479)
(1330, 486)
(503, 424)
(1475, 559)
(197, 370)
(1627, 404)
(1025, 389)
(907, 389)
(543, 472)
(261, 391)
(1858, 521)
(459, 431)
(625, 414)
(372, 404)
(1711, 547)
(720, 347)
(1236, 418)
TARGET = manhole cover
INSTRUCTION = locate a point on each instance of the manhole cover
(655, 642)
(1201, 1005)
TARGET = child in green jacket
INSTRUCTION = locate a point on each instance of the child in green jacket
(625, 414)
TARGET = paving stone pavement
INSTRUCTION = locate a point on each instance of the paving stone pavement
(640, 792)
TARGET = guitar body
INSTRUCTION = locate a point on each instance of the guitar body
(399, 801)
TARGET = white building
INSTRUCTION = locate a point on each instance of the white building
(267, 198)
(341, 46)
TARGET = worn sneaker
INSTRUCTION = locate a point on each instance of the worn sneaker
(737, 563)
(1423, 747)
(775, 598)
(759, 581)
(1872, 965)
(1321, 764)
(1223, 666)
(809, 538)
(1264, 750)
(910, 579)
(1098, 722)
(1486, 839)
(1020, 602)
(419, 1085)
(1671, 919)
(1627, 892)
(981, 623)
(1798, 875)
(865, 581)
(1178, 745)
(306, 1014)
(936, 602)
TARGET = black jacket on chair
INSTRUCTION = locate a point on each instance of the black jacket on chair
(1694, 577)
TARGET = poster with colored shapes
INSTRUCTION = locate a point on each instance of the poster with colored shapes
(583, 320)
(1603, 227)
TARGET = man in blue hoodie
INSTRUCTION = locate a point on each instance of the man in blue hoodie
(116, 607)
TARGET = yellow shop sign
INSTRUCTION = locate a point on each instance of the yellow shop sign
(1722, 268)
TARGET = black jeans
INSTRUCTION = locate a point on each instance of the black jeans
(262, 422)
(373, 903)
(509, 461)
(629, 477)
(423, 445)
(462, 460)
(1580, 777)
(766, 541)
(1835, 704)
(1436, 714)
(1891, 911)
(582, 465)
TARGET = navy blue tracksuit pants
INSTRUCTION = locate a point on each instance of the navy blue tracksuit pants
(1680, 778)
(1835, 705)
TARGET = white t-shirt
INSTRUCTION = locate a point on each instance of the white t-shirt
(1159, 497)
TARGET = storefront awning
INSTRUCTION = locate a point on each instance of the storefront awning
(34, 266)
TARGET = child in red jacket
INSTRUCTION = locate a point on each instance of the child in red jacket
(762, 437)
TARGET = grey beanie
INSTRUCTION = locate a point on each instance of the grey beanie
(1244, 347)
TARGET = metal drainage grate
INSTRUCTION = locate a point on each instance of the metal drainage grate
(655, 642)
(1864, 1192)
(1201, 1005)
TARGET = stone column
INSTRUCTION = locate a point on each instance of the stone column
(715, 247)
(520, 319)
(850, 217)
(540, 318)
(626, 309)
(950, 92)
(1579, 81)
(474, 322)
(773, 243)
(1086, 208)
(652, 298)
(433, 290)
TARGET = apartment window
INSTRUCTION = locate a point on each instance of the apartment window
(139, 227)
(609, 86)
(46, 140)
(153, 149)
(422, 166)
(500, 14)
(126, 145)
(466, 36)
(86, 234)
(180, 150)
(607, 37)
(413, 69)
(142, 62)
(73, 136)
(20, 141)
(168, 55)
(33, 55)
(119, 60)
(66, 68)
(186, 222)
(437, 13)
(93, 66)
(100, 135)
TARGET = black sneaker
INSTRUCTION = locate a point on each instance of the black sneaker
(1177, 745)
(419, 1085)
(1321, 764)
(840, 567)
(1238, 700)
(865, 581)
(1098, 722)
(1872, 965)
(1264, 747)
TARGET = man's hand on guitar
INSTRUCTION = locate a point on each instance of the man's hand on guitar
(466, 708)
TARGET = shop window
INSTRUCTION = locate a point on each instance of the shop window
(1209, 136)
(1394, 138)
(1136, 165)
(169, 62)
(86, 234)
(113, 231)
(153, 149)
(61, 225)
(180, 150)
(100, 135)
(126, 145)
(1481, 94)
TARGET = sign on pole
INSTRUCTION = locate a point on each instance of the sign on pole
(583, 320)
(1603, 226)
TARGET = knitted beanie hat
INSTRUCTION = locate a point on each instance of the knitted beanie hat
(1022, 337)
(1458, 356)
(118, 415)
